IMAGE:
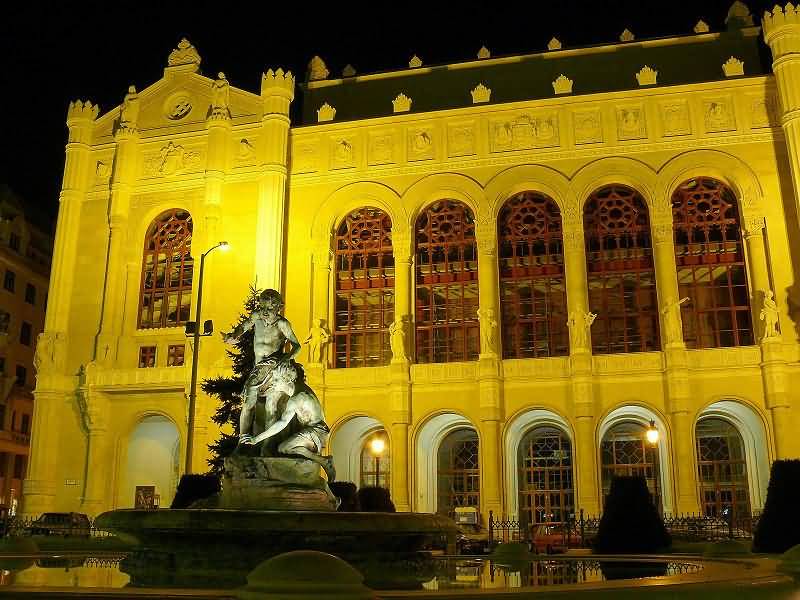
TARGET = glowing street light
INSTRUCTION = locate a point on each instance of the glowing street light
(193, 329)
(652, 434)
(377, 446)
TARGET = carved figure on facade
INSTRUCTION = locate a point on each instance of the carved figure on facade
(488, 325)
(246, 152)
(769, 315)
(718, 115)
(526, 132)
(460, 140)
(630, 123)
(579, 325)
(317, 338)
(171, 159)
(102, 170)
(381, 149)
(397, 339)
(49, 355)
(420, 144)
(129, 113)
(343, 153)
(675, 118)
(588, 126)
(317, 70)
(673, 325)
(271, 333)
(221, 97)
(184, 54)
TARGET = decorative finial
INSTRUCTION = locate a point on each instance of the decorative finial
(554, 44)
(739, 15)
(701, 27)
(733, 67)
(626, 36)
(184, 54)
(325, 113)
(317, 69)
(79, 109)
(562, 85)
(484, 53)
(129, 113)
(348, 71)
(415, 62)
(402, 103)
(480, 94)
(646, 76)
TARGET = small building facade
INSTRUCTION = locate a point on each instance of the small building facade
(524, 263)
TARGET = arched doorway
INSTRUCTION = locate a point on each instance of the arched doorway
(153, 459)
(625, 451)
(348, 442)
(546, 483)
(458, 471)
(722, 469)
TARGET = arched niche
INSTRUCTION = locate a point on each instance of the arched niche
(152, 459)
(346, 443)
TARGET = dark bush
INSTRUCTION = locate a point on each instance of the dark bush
(375, 499)
(195, 487)
(347, 493)
(779, 527)
(630, 523)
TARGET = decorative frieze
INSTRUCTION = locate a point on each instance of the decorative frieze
(444, 373)
(720, 358)
(461, 139)
(675, 118)
(172, 159)
(610, 364)
(525, 132)
(537, 368)
(718, 115)
(588, 126)
(631, 122)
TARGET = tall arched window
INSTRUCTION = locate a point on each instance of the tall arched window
(533, 298)
(447, 284)
(364, 289)
(458, 472)
(710, 263)
(624, 450)
(546, 489)
(619, 263)
(722, 469)
(166, 291)
(375, 465)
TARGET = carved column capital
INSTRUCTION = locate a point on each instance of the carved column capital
(486, 238)
(662, 231)
(402, 245)
(753, 225)
(572, 237)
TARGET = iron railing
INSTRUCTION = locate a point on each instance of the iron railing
(28, 525)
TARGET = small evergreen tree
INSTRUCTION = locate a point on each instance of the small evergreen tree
(228, 389)
(779, 528)
(630, 523)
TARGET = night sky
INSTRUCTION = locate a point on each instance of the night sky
(51, 53)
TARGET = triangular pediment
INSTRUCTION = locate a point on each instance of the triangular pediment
(181, 100)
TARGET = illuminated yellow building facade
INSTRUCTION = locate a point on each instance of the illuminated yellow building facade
(523, 263)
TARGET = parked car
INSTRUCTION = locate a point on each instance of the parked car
(551, 538)
(471, 538)
(57, 523)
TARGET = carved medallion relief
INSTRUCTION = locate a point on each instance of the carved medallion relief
(305, 158)
(460, 139)
(525, 132)
(343, 155)
(588, 126)
(718, 115)
(420, 143)
(675, 118)
(381, 150)
(631, 122)
(178, 106)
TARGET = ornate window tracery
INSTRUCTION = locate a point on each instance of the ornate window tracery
(458, 472)
(167, 266)
(546, 488)
(364, 305)
(533, 298)
(722, 469)
(446, 284)
(624, 451)
(621, 278)
(710, 263)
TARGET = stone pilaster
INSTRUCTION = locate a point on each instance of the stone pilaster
(98, 476)
(277, 93)
(400, 398)
(114, 298)
(322, 263)
(782, 33)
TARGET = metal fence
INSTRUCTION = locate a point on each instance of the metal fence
(581, 531)
(44, 525)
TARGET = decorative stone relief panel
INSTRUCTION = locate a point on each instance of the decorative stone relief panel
(178, 106)
(382, 148)
(359, 378)
(763, 111)
(717, 358)
(631, 122)
(537, 368)
(525, 132)
(625, 363)
(343, 152)
(444, 373)
(172, 159)
(461, 139)
(588, 126)
(102, 170)
(675, 118)
(305, 158)
(421, 143)
(718, 114)
(245, 153)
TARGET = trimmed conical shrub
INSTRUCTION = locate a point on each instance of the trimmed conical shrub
(375, 499)
(195, 487)
(630, 523)
(779, 526)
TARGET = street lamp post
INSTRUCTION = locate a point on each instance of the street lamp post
(652, 436)
(377, 446)
(193, 328)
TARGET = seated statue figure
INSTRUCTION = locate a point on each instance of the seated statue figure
(301, 418)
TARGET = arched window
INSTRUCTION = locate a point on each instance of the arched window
(624, 450)
(458, 472)
(166, 292)
(619, 263)
(546, 489)
(364, 289)
(447, 284)
(376, 461)
(533, 299)
(722, 469)
(710, 263)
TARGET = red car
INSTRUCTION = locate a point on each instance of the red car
(550, 538)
